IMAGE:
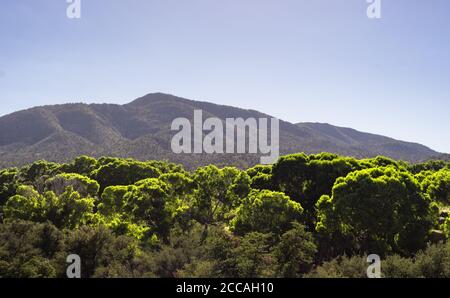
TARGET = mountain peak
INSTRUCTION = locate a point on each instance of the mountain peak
(156, 97)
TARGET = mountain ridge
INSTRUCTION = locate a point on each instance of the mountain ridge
(141, 129)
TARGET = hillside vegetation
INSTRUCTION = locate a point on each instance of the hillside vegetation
(141, 130)
(306, 216)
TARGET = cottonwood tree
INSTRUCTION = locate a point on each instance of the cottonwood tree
(306, 178)
(266, 211)
(151, 201)
(219, 192)
(82, 184)
(123, 172)
(382, 210)
(437, 186)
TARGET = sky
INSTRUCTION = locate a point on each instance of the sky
(298, 60)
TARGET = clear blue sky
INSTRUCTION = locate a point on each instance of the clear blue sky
(299, 60)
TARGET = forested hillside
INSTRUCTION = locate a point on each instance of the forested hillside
(141, 130)
(305, 216)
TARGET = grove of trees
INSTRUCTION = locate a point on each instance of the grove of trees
(305, 216)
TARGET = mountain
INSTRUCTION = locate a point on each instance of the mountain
(141, 129)
(369, 144)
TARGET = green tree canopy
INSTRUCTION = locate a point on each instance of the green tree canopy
(261, 177)
(83, 165)
(437, 186)
(266, 211)
(306, 178)
(68, 210)
(150, 201)
(113, 199)
(8, 184)
(381, 209)
(123, 172)
(219, 192)
(82, 184)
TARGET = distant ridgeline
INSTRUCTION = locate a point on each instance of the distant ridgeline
(306, 215)
(142, 130)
